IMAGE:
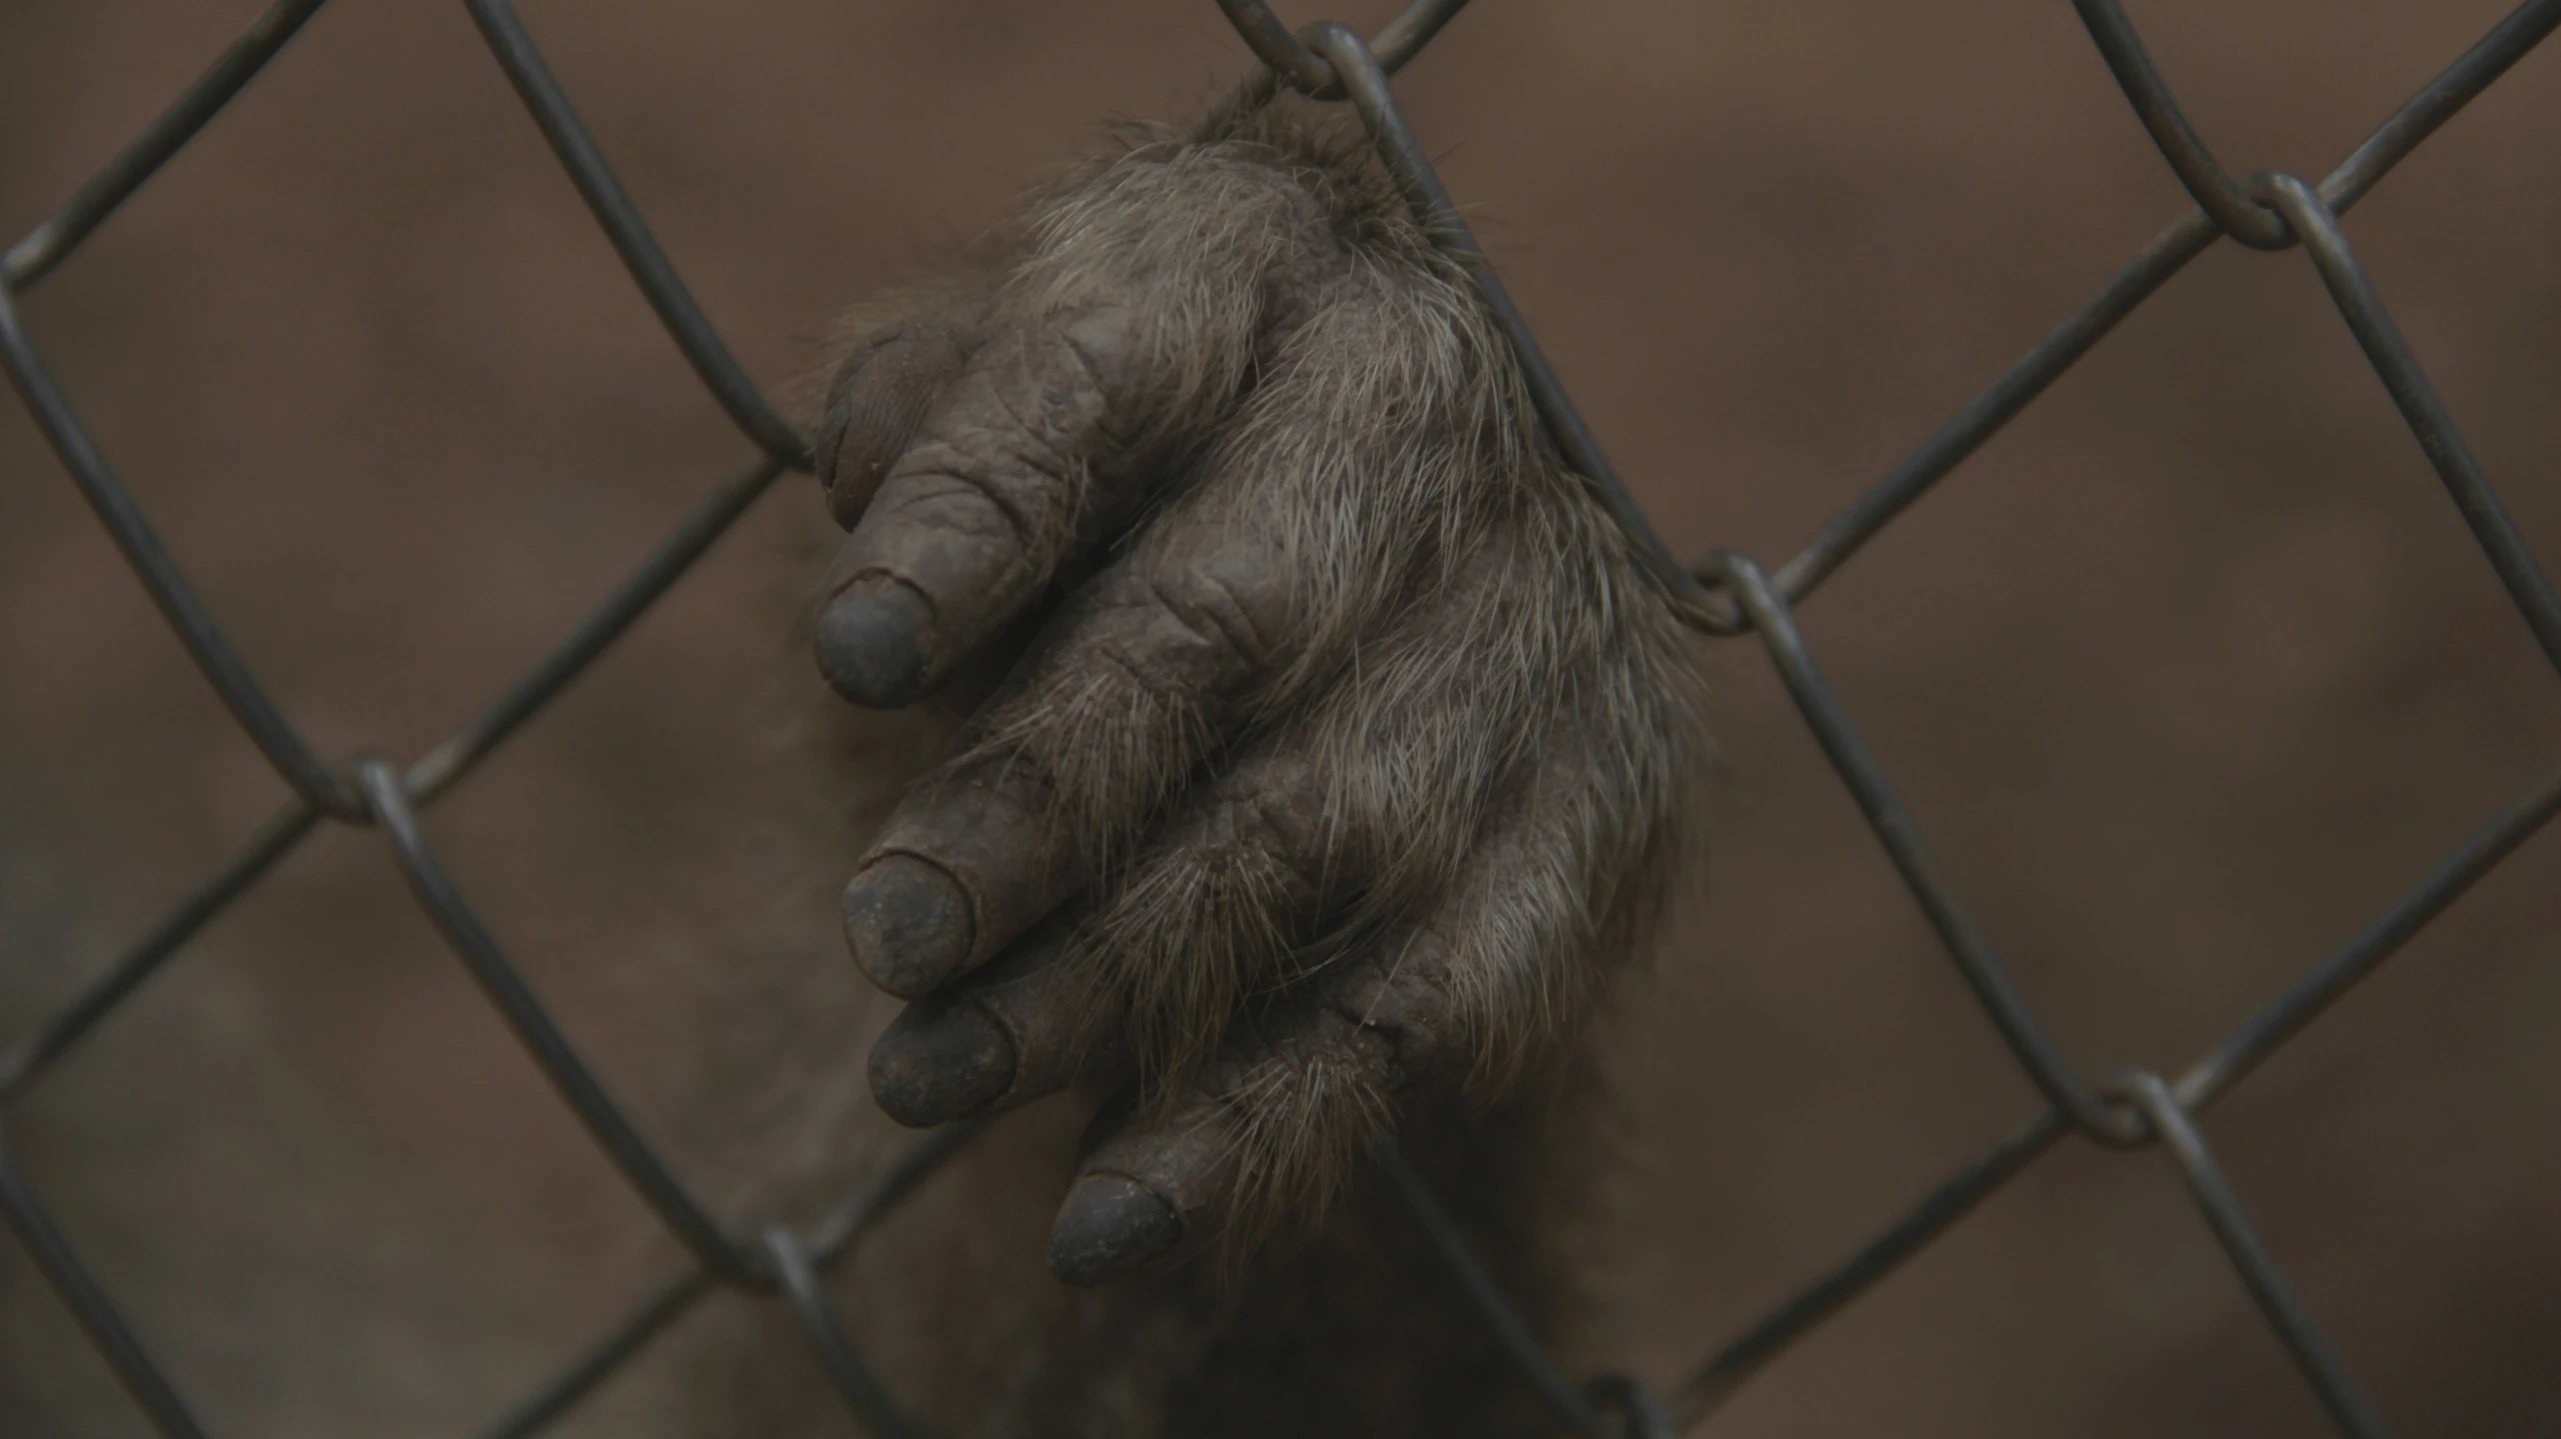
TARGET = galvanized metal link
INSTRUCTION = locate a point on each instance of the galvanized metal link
(2285, 1313)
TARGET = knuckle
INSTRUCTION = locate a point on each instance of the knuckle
(1222, 595)
(1268, 812)
(1099, 340)
(939, 488)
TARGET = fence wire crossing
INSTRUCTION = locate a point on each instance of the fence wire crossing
(1728, 594)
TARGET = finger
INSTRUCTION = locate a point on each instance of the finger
(1278, 1120)
(972, 518)
(1122, 697)
(1365, 801)
(1468, 985)
(1224, 901)
(1128, 331)
(879, 398)
(1019, 1029)
(1295, 1095)
(967, 862)
(1303, 1091)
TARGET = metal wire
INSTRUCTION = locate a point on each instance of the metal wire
(1726, 594)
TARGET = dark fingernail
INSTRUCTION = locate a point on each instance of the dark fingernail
(871, 644)
(908, 923)
(937, 1063)
(1109, 1224)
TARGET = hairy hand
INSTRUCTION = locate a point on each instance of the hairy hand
(1342, 740)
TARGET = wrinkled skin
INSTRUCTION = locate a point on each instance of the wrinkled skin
(1340, 744)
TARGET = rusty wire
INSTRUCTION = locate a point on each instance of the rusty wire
(1727, 594)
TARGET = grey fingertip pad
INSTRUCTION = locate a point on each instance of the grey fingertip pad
(937, 1063)
(1110, 1223)
(908, 924)
(871, 644)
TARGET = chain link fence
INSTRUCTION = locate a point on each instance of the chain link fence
(1728, 594)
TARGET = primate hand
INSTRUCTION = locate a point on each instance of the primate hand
(1342, 739)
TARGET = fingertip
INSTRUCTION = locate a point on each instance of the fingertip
(937, 1063)
(871, 643)
(1109, 1224)
(908, 924)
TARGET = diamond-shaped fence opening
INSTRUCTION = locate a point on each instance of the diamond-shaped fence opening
(1727, 594)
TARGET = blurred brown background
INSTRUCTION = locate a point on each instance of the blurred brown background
(2186, 676)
